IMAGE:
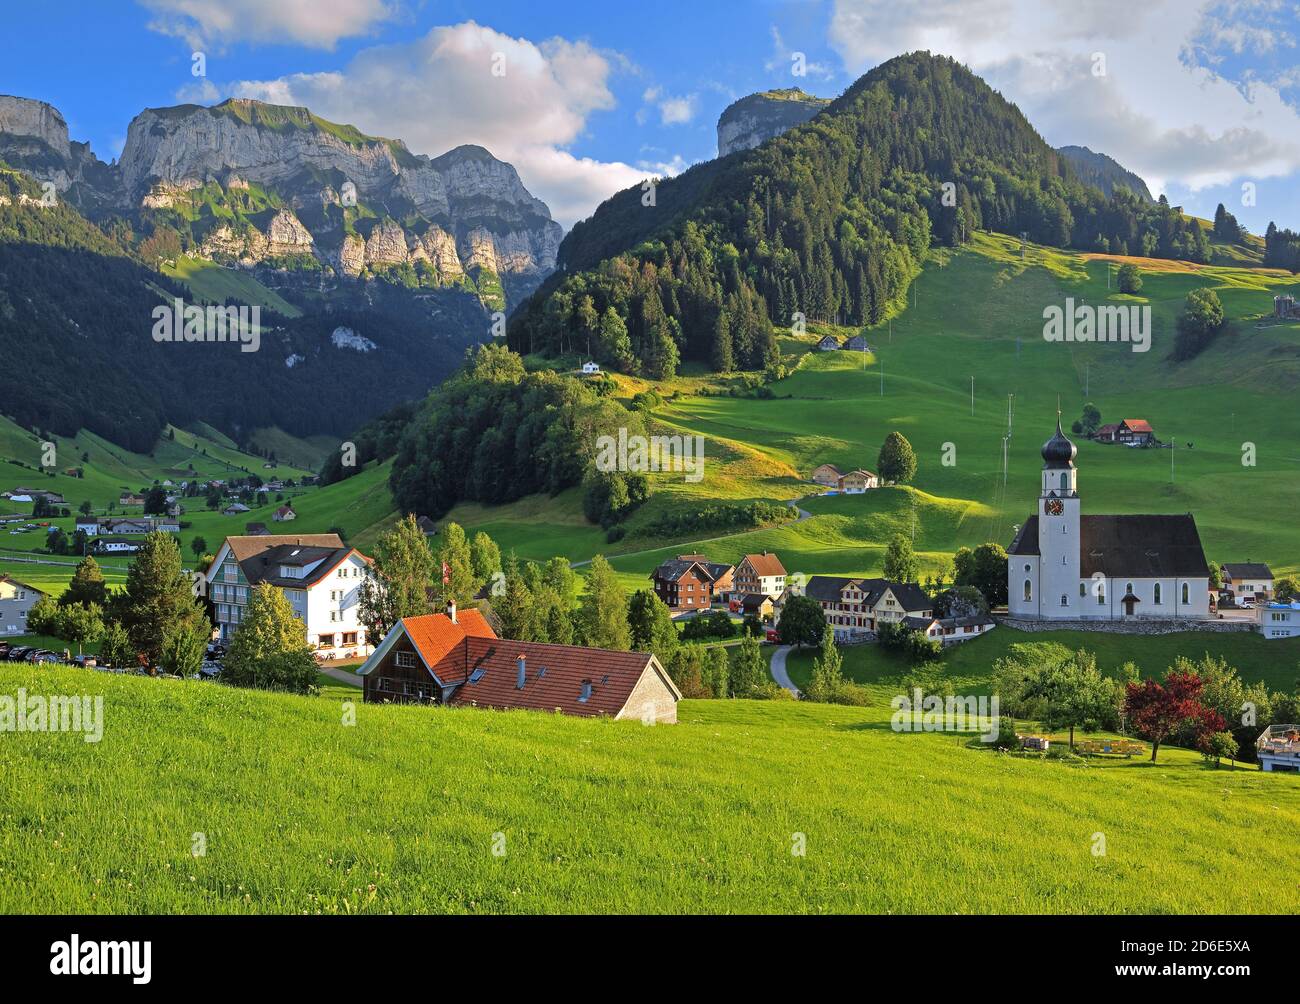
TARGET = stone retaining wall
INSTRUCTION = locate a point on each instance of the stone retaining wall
(1138, 625)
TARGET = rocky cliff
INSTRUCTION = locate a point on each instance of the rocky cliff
(1103, 171)
(34, 138)
(757, 118)
(339, 194)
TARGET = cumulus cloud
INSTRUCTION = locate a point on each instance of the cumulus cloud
(673, 109)
(316, 23)
(523, 101)
(1162, 107)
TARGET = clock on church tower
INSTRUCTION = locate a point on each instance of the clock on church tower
(1054, 507)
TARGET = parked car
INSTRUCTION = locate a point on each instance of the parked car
(19, 652)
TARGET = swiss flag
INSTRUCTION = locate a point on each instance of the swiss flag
(446, 574)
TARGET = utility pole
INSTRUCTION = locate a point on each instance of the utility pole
(972, 397)
(882, 378)
(1173, 446)
(1087, 378)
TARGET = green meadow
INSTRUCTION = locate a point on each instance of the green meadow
(296, 812)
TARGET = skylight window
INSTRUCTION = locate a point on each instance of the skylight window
(477, 675)
(585, 696)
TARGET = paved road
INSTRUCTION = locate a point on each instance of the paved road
(778, 669)
(342, 675)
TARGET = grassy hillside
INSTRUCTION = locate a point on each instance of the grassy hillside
(212, 283)
(603, 816)
(978, 312)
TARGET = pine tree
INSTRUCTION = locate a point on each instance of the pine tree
(828, 672)
(158, 595)
(602, 619)
(748, 672)
(87, 585)
(514, 607)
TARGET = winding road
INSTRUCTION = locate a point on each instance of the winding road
(778, 669)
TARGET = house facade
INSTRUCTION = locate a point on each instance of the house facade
(952, 630)
(1278, 620)
(284, 514)
(119, 526)
(456, 659)
(828, 475)
(16, 601)
(854, 608)
(1251, 580)
(759, 574)
(317, 573)
(858, 344)
(828, 343)
(858, 482)
(683, 584)
(1063, 565)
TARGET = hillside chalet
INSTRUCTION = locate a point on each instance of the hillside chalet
(456, 659)
(691, 582)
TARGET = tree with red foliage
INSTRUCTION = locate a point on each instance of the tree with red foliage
(1157, 711)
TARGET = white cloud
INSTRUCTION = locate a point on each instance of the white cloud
(440, 91)
(783, 60)
(673, 109)
(1159, 109)
(316, 23)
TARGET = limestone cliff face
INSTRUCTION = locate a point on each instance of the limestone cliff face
(757, 118)
(470, 209)
(34, 138)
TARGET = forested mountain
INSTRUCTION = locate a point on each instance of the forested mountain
(828, 220)
(1104, 172)
(76, 334)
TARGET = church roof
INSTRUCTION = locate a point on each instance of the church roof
(1059, 451)
(1143, 547)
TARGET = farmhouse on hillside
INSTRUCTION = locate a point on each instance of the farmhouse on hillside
(456, 659)
(828, 343)
(857, 482)
(1063, 565)
(951, 630)
(854, 608)
(759, 575)
(284, 514)
(16, 601)
(828, 475)
(1131, 431)
(858, 344)
(319, 575)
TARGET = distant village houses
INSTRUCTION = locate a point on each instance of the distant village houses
(1131, 432)
(854, 608)
(16, 601)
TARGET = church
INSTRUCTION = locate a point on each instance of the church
(1064, 565)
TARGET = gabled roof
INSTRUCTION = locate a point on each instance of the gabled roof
(260, 557)
(1138, 425)
(1247, 570)
(827, 588)
(865, 474)
(675, 568)
(15, 582)
(829, 467)
(553, 677)
(716, 569)
(434, 635)
(1143, 547)
(765, 564)
(754, 601)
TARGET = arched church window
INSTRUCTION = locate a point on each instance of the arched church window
(1029, 591)
(1129, 587)
(1065, 600)
(1065, 481)
(1157, 593)
(1186, 597)
(1083, 589)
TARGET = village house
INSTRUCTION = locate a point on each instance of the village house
(688, 582)
(256, 530)
(235, 509)
(128, 499)
(951, 630)
(284, 514)
(854, 608)
(828, 475)
(1063, 565)
(858, 482)
(427, 526)
(1250, 580)
(762, 607)
(1278, 620)
(858, 344)
(114, 545)
(16, 601)
(1131, 431)
(456, 659)
(759, 575)
(32, 495)
(590, 369)
(723, 574)
(828, 343)
(125, 525)
(318, 574)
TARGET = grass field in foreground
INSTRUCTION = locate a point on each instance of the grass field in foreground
(401, 812)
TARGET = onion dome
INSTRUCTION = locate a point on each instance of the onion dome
(1059, 451)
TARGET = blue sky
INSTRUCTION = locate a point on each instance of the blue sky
(1198, 97)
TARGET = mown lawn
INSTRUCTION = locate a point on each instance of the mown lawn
(466, 811)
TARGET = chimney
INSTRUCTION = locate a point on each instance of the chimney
(519, 678)
(451, 611)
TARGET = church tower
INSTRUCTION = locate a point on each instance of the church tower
(1058, 532)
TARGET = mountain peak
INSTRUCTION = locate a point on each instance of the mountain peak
(756, 118)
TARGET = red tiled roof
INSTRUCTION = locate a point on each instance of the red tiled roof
(434, 635)
(1138, 425)
(613, 676)
(765, 564)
